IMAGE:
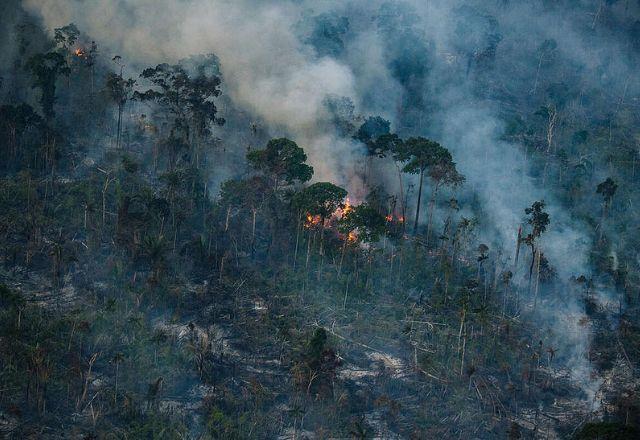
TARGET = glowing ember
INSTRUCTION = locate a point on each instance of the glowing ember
(351, 237)
(391, 217)
(79, 52)
(312, 220)
(347, 207)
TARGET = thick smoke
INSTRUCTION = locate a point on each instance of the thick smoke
(266, 69)
(272, 70)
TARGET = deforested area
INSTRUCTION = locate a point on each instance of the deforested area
(299, 219)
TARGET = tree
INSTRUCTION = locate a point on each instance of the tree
(66, 36)
(45, 69)
(90, 59)
(365, 222)
(15, 121)
(607, 189)
(419, 154)
(154, 248)
(283, 161)
(320, 199)
(188, 100)
(391, 143)
(442, 173)
(538, 220)
(372, 128)
(119, 90)
(117, 360)
(247, 195)
(422, 155)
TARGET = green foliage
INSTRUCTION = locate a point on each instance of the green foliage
(370, 130)
(386, 143)
(45, 69)
(118, 89)
(421, 154)
(188, 99)
(282, 160)
(368, 224)
(249, 193)
(321, 199)
(538, 220)
(607, 189)
(66, 36)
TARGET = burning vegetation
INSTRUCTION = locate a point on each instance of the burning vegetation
(161, 279)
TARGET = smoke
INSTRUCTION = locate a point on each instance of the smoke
(266, 69)
(413, 63)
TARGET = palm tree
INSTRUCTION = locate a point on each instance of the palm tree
(155, 249)
(117, 359)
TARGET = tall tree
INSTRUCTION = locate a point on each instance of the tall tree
(607, 189)
(120, 91)
(45, 69)
(15, 121)
(188, 101)
(538, 220)
(372, 128)
(283, 161)
(365, 222)
(66, 36)
(321, 199)
(421, 155)
(442, 173)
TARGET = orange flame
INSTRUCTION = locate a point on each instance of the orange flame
(352, 236)
(347, 207)
(391, 217)
(312, 220)
(79, 52)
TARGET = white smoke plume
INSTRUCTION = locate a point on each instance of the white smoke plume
(266, 69)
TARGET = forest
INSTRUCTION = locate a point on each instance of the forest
(298, 219)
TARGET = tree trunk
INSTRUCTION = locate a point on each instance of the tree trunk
(119, 130)
(295, 253)
(115, 394)
(535, 298)
(253, 233)
(402, 201)
(533, 261)
(518, 242)
(432, 203)
(415, 224)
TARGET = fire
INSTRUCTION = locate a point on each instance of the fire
(390, 218)
(352, 236)
(312, 220)
(79, 52)
(347, 207)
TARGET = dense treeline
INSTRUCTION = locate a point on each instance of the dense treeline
(140, 299)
